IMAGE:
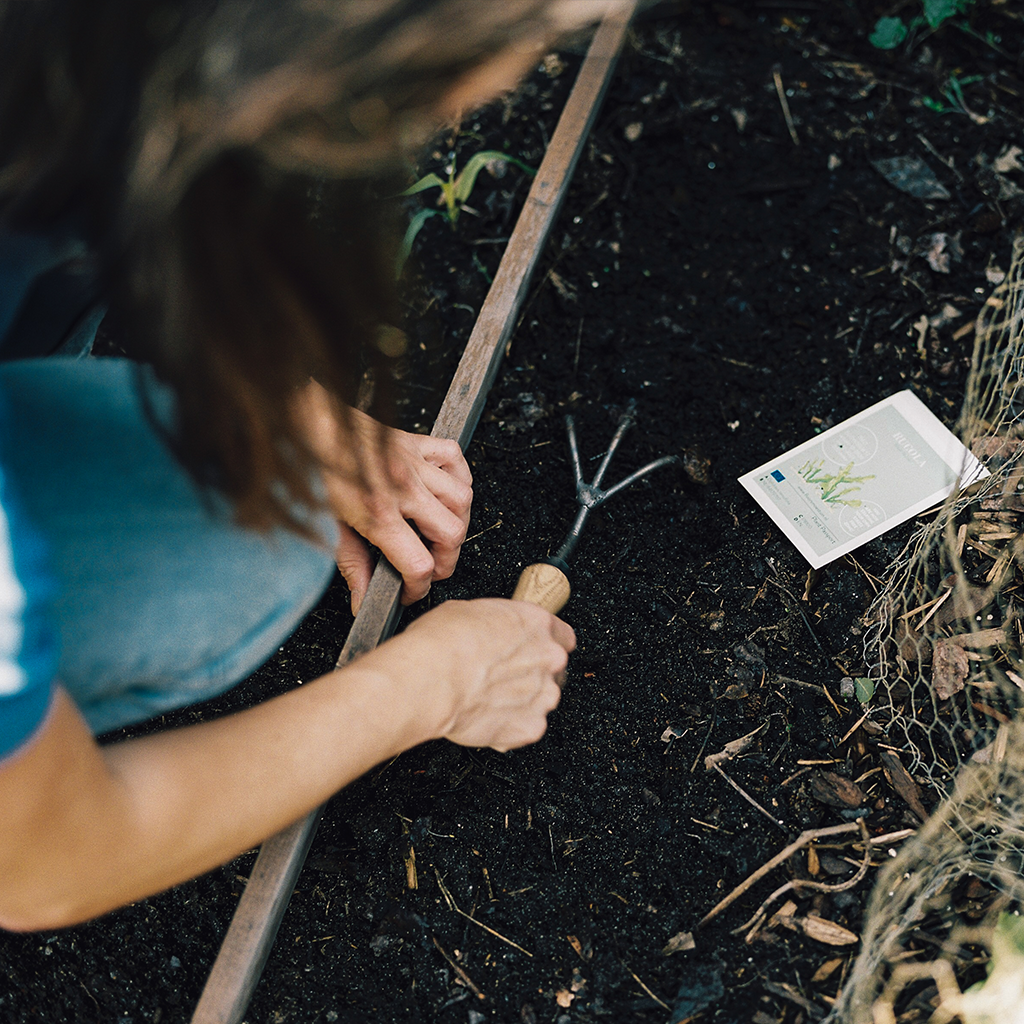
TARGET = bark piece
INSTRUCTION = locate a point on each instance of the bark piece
(835, 791)
(899, 778)
(949, 669)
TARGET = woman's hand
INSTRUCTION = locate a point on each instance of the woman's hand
(483, 673)
(380, 480)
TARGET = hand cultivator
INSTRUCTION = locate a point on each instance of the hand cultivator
(547, 583)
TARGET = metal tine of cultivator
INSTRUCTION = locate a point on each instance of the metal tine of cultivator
(590, 495)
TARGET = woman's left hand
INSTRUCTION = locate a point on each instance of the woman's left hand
(380, 484)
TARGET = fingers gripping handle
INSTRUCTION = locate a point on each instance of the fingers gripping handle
(544, 585)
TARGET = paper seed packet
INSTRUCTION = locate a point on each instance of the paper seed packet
(862, 477)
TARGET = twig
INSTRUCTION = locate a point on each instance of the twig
(806, 837)
(466, 980)
(497, 935)
(805, 883)
(486, 529)
(937, 606)
(853, 728)
(893, 837)
(746, 796)
(777, 75)
(823, 690)
(872, 580)
(660, 1002)
(703, 746)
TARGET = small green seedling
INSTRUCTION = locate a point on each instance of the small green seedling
(890, 32)
(456, 190)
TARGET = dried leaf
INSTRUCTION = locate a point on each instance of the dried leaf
(968, 599)
(733, 748)
(679, 943)
(697, 466)
(900, 780)
(949, 669)
(813, 864)
(826, 970)
(584, 952)
(829, 932)
(912, 175)
(912, 644)
(736, 691)
(835, 791)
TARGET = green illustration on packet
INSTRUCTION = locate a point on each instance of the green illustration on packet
(813, 472)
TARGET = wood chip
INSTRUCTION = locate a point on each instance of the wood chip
(785, 916)
(835, 791)
(826, 970)
(679, 943)
(982, 639)
(900, 780)
(949, 669)
(826, 931)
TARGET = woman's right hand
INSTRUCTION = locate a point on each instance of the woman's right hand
(483, 673)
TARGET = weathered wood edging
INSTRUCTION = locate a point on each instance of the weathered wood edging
(249, 938)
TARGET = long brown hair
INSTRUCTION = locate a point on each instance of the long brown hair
(179, 137)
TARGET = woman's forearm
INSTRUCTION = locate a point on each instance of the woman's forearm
(88, 829)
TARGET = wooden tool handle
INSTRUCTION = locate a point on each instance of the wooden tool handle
(544, 585)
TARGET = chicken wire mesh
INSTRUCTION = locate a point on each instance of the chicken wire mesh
(944, 651)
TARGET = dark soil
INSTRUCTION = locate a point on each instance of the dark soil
(746, 291)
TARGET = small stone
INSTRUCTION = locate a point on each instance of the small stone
(633, 131)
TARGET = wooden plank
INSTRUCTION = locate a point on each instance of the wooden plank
(258, 916)
(479, 365)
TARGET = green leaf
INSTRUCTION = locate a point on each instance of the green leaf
(418, 220)
(477, 162)
(937, 11)
(430, 180)
(999, 999)
(888, 34)
(864, 688)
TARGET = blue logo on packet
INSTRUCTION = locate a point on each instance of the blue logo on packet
(776, 475)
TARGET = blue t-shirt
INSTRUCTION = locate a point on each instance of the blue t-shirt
(28, 646)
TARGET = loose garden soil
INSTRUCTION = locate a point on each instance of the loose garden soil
(747, 288)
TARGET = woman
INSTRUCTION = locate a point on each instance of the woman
(191, 505)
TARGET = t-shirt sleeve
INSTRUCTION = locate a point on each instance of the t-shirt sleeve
(28, 646)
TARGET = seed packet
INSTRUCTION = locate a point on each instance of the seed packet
(862, 477)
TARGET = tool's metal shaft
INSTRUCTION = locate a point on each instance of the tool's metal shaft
(590, 495)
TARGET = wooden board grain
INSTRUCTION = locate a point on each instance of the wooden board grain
(253, 928)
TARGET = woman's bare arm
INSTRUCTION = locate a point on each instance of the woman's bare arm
(87, 829)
